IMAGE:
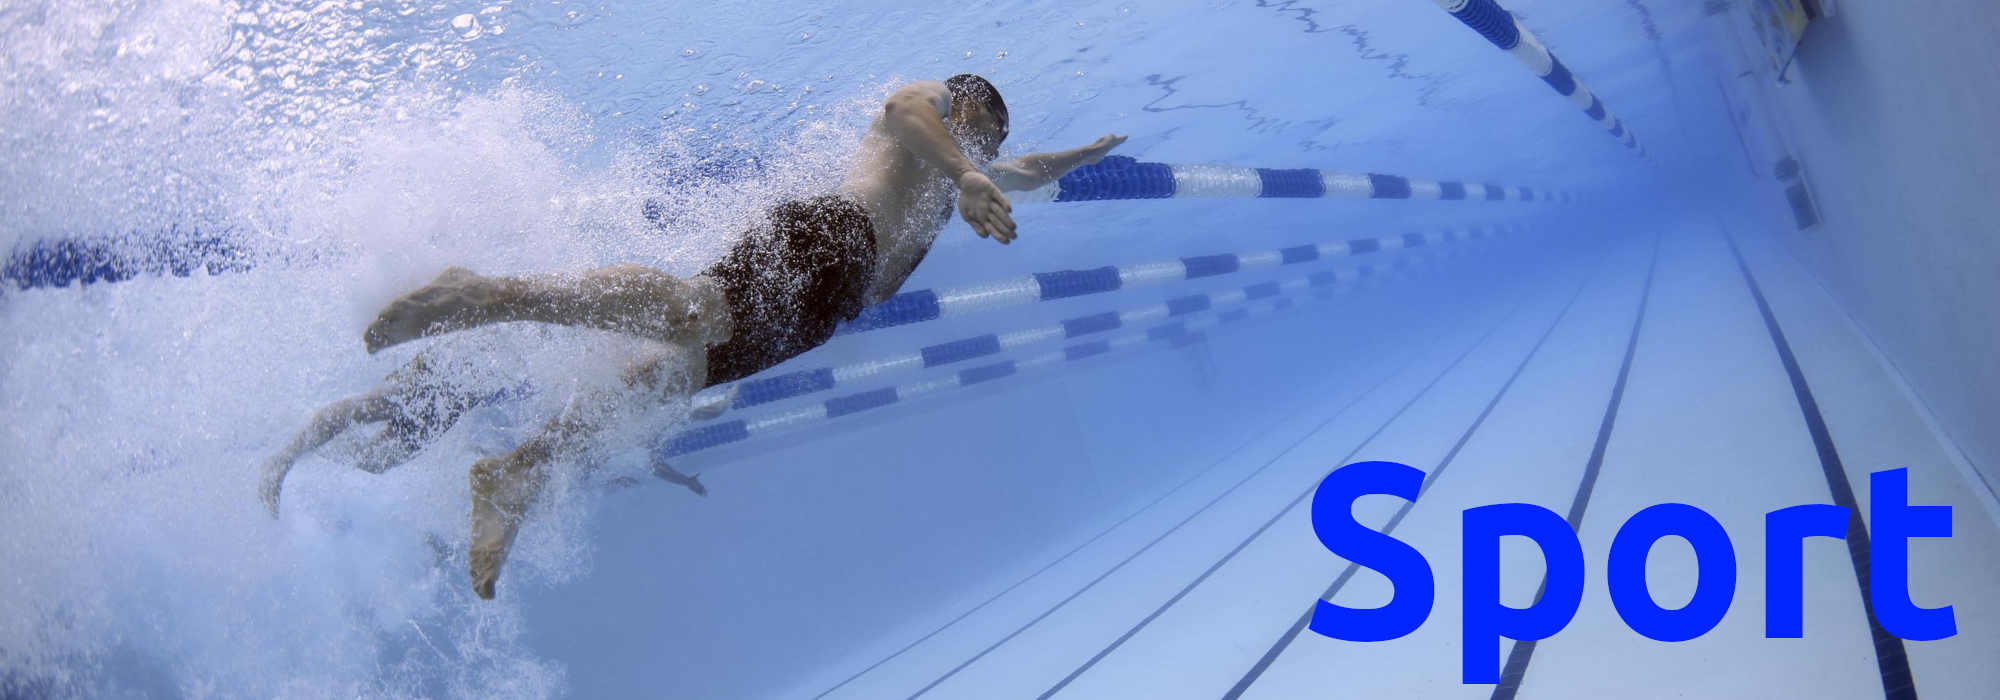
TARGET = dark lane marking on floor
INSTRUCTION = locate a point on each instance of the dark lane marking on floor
(1291, 634)
(1890, 656)
(1197, 475)
(1184, 521)
(1204, 471)
(1080, 670)
(1524, 651)
(1120, 641)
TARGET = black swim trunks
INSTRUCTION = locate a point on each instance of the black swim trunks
(790, 281)
(426, 413)
(428, 401)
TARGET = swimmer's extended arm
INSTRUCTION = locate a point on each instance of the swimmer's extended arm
(1037, 169)
(915, 116)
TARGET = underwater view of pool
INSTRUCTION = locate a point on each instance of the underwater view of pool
(549, 348)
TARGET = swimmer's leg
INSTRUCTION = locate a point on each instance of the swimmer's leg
(632, 299)
(504, 487)
(329, 422)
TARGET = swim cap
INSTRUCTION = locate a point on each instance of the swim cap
(966, 86)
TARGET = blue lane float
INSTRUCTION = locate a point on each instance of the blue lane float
(59, 262)
(925, 305)
(1122, 177)
(1498, 25)
(1173, 334)
(757, 391)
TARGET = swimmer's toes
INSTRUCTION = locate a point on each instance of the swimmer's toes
(375, 338)
(402, 322)
(410, 316)
(482, 582)
(271, 481)
(390, 328)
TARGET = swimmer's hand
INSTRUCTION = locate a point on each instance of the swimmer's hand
(712, 404)
(985, 207)
(1097, 150)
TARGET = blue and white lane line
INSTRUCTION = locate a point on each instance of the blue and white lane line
(1174, 334)
(1499, 26)
(57, 262)
(1121, 177)
(728, 432)
(947, 302)
(757, 391)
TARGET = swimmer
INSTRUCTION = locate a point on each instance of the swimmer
(415, 407)
(777, 293)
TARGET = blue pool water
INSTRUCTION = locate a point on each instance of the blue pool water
(1033, 516)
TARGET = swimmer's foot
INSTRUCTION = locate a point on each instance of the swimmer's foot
(500, 498)
(434, 308)
(667, 473)
(271, 479)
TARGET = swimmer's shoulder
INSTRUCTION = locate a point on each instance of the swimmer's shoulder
(930, 92)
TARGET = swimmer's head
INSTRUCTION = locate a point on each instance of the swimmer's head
(978, 115)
